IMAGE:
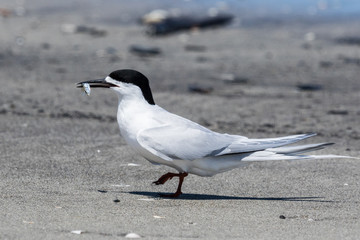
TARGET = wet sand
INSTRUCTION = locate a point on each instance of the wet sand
(64, 166)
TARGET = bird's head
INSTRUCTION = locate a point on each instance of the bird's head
(125, 82)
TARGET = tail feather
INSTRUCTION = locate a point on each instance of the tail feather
(271, 156)
(290, 153)
(299, 149)
(251, 145)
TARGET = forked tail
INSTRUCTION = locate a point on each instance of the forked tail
(291, 153)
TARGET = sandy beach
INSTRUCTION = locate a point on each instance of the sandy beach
(64, 166)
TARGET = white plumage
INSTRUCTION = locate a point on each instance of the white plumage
(165, 138)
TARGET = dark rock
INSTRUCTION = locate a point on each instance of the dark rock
(268, 125)
(3, 111)
(144, 50)
(349, 40)
(45, 46)
(202, 59)
(199, 89)
(171, 24)
(338, 112)
(92, 31)
(195, 48)
(233, 79)
(350, 60)
(60, 70)
(309, 87)
(325, 64)
(306, 46)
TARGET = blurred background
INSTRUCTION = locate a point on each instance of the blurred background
(226, 48)
(234, 49)
(102, 34)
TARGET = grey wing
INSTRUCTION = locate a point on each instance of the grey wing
(187, 140)
(183, 142)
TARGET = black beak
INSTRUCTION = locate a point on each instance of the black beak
(98, 83)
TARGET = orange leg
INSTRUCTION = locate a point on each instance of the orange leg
(168, 176)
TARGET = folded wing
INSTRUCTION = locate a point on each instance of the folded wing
(189, 143)
(169, 142)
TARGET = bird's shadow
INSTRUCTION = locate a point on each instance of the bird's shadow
(189, 196)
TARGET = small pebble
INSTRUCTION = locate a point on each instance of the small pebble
(68, 28)
(132, 235)
(146, 199)
(28, 222)
(310, 36)
(231, 78)
(133, 164)
(282, 217)
(120, 185)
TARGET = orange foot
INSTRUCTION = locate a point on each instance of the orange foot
(168, 176)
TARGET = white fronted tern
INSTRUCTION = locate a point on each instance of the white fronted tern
(165, 138)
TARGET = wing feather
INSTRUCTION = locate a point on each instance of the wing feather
(192, 141)
(178, 142)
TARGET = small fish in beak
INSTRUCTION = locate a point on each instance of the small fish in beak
(86, 88)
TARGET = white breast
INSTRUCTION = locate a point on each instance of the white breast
(134, 117)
